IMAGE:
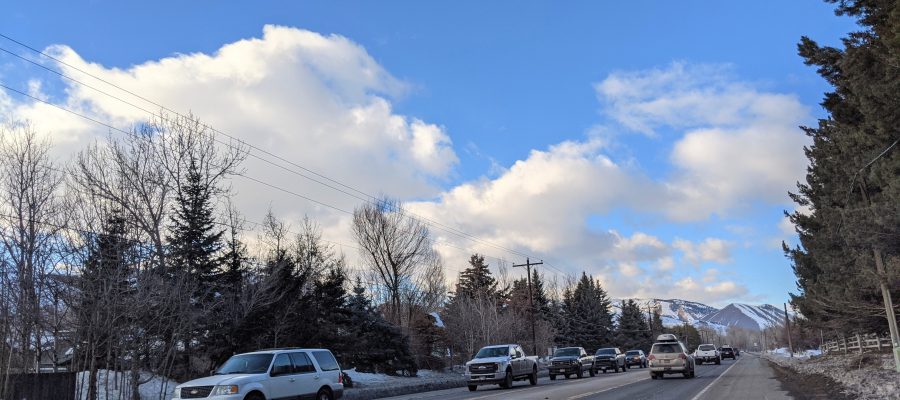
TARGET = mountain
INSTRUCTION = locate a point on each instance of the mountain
(747, 316)
(678, 312)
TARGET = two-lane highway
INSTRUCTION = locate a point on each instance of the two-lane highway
(748, 378)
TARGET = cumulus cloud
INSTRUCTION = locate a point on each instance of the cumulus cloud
(319, 100)
(709, 250)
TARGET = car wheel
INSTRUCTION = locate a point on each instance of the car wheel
(579, 374)
(508, 381)
(552, 377)
(532, 379)
(593, 372)
(254, 396)
(473, 388)
(324, 394)
(718, 361)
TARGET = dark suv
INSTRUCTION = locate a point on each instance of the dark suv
(609, 358)
(635, 357)
(727, 352)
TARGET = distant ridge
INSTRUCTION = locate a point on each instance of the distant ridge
(679, 312)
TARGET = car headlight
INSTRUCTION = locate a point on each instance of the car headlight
(224, 389)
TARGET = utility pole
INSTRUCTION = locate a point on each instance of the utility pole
(885, 289)
(787, 325)
(528, 265)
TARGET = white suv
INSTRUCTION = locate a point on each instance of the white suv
(270, 374)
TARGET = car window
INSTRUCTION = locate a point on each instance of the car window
(246, 364)
(302, 364)
(567, 352)
(633, 353)
(282, 365)
(488, 352)
(606, 351)
(326, 360)
(519, 353)
(665, 348)
(707, 347)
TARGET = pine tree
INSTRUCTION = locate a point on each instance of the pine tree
(632, 331)
(476, 279)
(587, 320)
(851, 187)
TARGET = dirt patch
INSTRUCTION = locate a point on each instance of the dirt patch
(809, 386)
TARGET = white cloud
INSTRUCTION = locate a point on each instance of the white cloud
(709, 250)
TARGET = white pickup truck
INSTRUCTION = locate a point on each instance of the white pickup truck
(707, 353)
(500, 365)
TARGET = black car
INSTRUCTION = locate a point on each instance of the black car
(727, 352)
(609, 358)
(635, 357)
(571, 361)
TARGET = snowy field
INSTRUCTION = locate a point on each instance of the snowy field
(116, 386)
(865, 376)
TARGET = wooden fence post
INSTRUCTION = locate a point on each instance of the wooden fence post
(859, 343)
(844, 343)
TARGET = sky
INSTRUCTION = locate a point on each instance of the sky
(649, 144)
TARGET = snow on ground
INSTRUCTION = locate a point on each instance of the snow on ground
(370, 386)
(866, 376)
(117, 386)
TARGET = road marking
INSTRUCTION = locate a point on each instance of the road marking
(715, 380)
(583, 395)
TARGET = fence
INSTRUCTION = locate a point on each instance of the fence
(858, 343)
(56, 386)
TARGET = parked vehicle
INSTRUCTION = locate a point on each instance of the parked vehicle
(727, 352)
(707, 353)
(669, 356)
(500, 365)
(569, 361)
(270, 374)
(635, 357)
(609, 358)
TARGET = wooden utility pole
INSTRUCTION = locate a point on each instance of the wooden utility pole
(528, 265)
(883, 282)
(787, 325)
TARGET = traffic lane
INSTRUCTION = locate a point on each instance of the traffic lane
(545, 389)
(672, 387)
(752, 379)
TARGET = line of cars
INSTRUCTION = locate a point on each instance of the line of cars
(669, 356)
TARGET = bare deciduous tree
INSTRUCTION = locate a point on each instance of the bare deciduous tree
(395, 246)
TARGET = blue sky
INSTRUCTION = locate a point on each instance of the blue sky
(506, 92)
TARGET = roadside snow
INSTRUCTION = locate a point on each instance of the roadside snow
(865, 376)
(117, 385)
(370, 386)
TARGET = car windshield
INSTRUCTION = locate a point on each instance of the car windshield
(246, 364)
(489, 352)
(567, 352)
(633, 353)
(707, 347)
(665, 348)
(606, 352)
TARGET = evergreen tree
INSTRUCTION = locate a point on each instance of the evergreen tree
(377, 346)
(851, 188)
(476, 279)
(632, 331)
(587, 320)
(195, 242)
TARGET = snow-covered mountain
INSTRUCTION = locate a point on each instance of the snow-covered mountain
(747, 316)
(678, 312)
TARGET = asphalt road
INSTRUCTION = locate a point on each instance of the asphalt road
(747, 378)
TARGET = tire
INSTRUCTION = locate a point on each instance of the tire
(254, 396)
(532, 379)
(687, 375)
(552, 377)
(508, 381)
(718, 361)
(579, 374)
(652, 375)
(592, 372)
(473, 388)
(324, 394)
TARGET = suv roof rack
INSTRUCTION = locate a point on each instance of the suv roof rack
(667, 337)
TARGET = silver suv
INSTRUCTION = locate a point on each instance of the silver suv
(668, 356)
(270, 374)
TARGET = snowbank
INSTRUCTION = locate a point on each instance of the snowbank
(117, 386)
(865, 376)
(371, 386)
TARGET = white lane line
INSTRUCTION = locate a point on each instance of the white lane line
(583, 395)
(697, 397)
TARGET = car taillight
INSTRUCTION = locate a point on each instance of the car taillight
(651, 357)
(682, 356)
(341, 378)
